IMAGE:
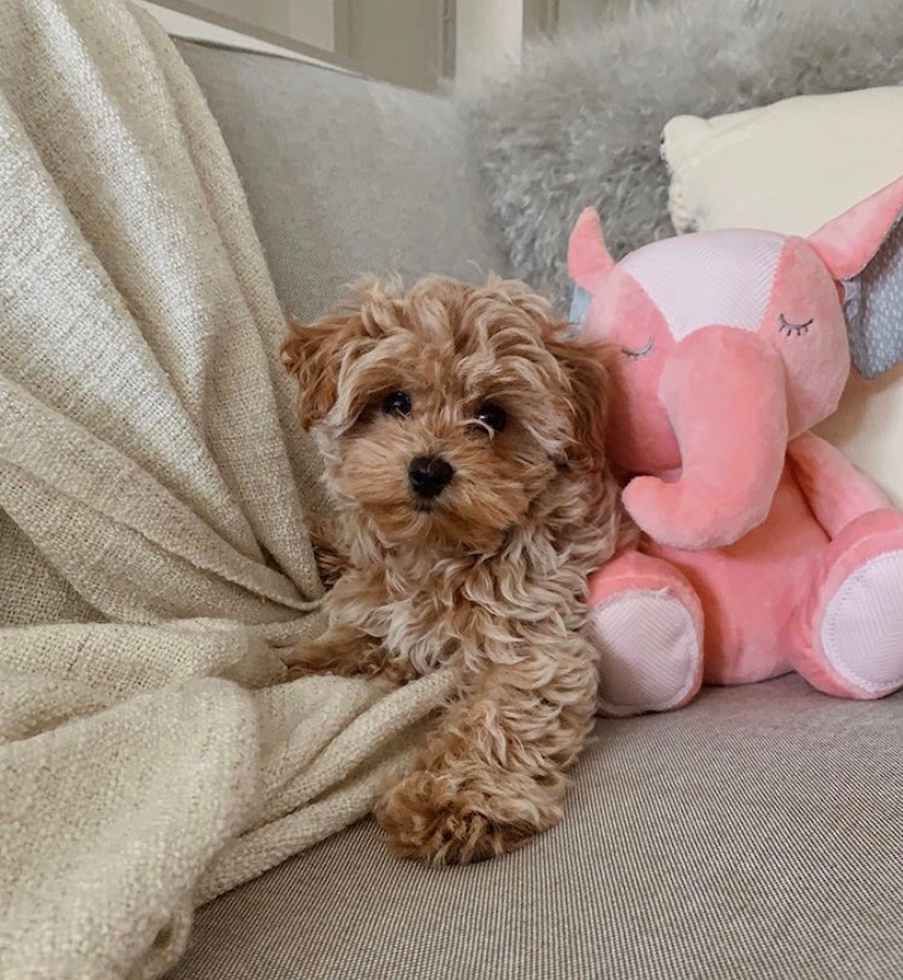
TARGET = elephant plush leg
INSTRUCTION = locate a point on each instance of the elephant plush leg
(646, 623)
(849, 634)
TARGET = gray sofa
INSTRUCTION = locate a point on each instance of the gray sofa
(757, 833)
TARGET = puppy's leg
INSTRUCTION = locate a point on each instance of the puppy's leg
(345, 651)
(332, 563)
(492, 774)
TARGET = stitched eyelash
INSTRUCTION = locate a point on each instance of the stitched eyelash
(643, 351)
(792, 329)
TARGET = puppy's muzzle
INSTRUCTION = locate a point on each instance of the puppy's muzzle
(429, 475)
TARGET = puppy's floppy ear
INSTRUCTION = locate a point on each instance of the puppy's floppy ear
(316, 353)
(587, 368)
(313, 353)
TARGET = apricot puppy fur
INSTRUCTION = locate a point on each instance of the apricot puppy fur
(463, 434)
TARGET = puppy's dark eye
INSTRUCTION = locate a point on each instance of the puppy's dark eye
(492, 415)
(397, 403)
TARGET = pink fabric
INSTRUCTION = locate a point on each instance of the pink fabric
(836, 491)
(859, 634)
(740, 267)
(864, 663)
(804, 322)
(750, 590)
(588, 258)
(731, 462)
(649, 627)
(847, 242)
(643, 438)
(779, 551)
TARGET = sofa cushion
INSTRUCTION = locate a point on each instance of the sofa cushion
(755, 834)
(789, 166)
(345, 176)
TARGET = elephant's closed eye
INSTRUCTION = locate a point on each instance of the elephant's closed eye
(633, 354)
(793, 329)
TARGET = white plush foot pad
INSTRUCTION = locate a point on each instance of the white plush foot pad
(649, 652)
(862, 629)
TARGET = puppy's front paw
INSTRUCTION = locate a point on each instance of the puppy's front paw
(349, 660)
(431, 816)
(317, 657)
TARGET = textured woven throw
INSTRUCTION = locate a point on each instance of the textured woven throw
(154, 499)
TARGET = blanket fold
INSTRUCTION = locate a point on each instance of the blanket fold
(155, 494)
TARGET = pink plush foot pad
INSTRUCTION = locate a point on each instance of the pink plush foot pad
(859, 625)
(862, 628)
(647, 624)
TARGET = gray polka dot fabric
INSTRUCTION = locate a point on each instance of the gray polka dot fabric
(580, 303)
(874, 309)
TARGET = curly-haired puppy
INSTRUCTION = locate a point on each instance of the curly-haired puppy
(463, 432)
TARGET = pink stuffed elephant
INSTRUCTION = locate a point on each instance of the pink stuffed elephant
(764, 550)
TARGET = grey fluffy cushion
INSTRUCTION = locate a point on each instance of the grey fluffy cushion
(581, 123)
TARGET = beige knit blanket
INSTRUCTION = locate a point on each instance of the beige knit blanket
(154, 489)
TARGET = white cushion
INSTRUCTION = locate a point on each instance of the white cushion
(786, 167)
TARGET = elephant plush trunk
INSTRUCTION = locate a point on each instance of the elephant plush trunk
(724, 391)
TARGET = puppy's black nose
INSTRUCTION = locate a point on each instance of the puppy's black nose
(430, 475)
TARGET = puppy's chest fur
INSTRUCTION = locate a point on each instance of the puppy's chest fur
(422, 628)
(473, 608)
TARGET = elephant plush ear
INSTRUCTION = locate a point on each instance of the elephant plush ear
(580, 304)
(588, 258)
(589, 262)
(863, 249)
